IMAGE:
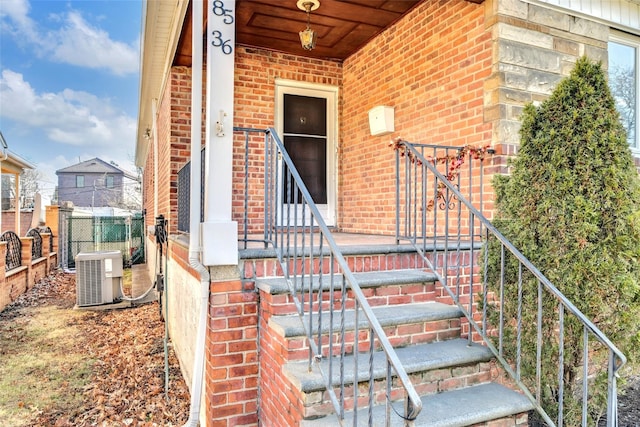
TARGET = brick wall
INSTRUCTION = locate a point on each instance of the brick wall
(232, 355)
(254, 107)
(431, 67)
(174, 130)
(9, 222)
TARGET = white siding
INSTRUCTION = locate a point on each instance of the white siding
(622, 14)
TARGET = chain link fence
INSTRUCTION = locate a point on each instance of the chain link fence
(92, 234)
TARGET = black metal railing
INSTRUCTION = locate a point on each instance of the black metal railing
(184, 194)
(437, 212)
(329, 301)
(13, 257)
(36, 246)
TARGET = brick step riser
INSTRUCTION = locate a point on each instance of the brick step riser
(270, 267)
(296, 348)
(385, 295)
(318, 403)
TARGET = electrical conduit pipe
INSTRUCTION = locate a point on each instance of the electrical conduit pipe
(195, 248)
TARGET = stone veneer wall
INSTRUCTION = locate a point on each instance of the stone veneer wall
(534, 48)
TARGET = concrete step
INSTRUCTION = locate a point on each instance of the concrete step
(291, 326)
(416, 358)
(457, 408)
(256, 263)
(380, 288)
(278, 285)
(404, 325)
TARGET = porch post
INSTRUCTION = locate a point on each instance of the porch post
(17, 207)
(220, 233)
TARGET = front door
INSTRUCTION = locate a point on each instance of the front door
(306, 121)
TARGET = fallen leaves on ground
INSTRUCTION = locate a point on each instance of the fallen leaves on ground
(127, 382)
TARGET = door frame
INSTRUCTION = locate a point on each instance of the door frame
(330, 93)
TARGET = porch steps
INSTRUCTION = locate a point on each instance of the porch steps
(453, 377)
(472, 406)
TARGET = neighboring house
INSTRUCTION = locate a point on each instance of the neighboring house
(12, 165)
(454, 73)
(92, 183)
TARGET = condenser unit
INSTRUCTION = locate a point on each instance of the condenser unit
(98, 277)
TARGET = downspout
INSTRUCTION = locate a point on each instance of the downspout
(195, 248)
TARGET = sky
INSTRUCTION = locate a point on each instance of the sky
(69, 78)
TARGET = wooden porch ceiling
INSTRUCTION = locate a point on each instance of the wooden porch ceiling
(343, 26)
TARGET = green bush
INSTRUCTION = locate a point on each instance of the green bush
(572, 206)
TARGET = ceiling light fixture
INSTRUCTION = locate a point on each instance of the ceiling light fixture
(308, 37)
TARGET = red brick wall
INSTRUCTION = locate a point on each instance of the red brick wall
(255, 84)
(174, 130)
(255, 81)
(232, 355)
(431, 67)
(9, 222)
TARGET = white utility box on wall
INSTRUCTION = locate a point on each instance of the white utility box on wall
(381, 120)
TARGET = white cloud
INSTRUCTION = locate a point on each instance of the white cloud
(69, 117)
(18, 23)
(78, 43)
(75, 42)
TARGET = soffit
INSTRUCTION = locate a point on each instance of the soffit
(343, 26)
(14, 164)
(161, 23)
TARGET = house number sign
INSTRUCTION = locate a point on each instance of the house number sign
(219, 35)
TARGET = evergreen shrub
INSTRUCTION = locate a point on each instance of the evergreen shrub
(571, 205)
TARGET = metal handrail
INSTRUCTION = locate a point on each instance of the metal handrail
(289, 221)
(414, 159)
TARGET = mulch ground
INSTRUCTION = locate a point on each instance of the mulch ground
(127, 385)
(629, 404)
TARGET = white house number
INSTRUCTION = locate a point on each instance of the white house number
(227, 18)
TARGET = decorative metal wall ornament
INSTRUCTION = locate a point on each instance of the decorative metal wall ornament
(308, 37)
(452, 162)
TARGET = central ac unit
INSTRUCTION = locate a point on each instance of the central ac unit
(98, 277)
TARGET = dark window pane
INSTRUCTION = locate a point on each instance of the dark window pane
(305, 115)
(310, 157)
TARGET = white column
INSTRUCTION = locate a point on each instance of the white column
(219, 232)
(17, 202)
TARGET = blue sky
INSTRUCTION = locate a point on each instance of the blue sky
(69, 77)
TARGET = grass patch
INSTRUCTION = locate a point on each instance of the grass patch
(41, 365)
